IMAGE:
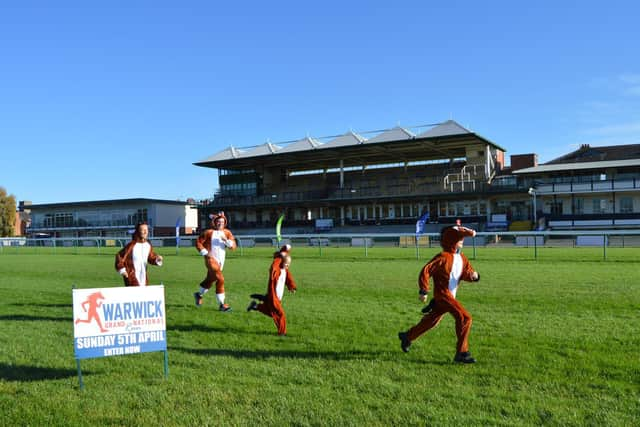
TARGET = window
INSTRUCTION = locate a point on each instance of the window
(626, 205)
(483, 207)
(599, 206)
(64, 219)
(579, 206)
(508, 181)
(48, 220)
(501, 207)
(139, 216)
(235, 171)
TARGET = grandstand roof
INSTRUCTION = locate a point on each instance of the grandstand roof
(395, 134)
(301, 145)
(563, 167)
(443, 141)
(587, 153)
(226, 154)
(93, 203)
(349, 138)
(447, 128)
(587, 157)
(261, 150)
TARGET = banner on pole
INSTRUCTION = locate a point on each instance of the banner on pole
(420, 224)
(178, 221)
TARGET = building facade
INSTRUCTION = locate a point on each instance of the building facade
(447, 171)
(391, 178)
(111, 218)
(590, 188)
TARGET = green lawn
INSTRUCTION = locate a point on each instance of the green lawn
(556, 339)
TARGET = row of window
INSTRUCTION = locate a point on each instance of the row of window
(236, 172)
(601, 206)
(378, 211)
(89, 219)
(240, 189)
(597, 177)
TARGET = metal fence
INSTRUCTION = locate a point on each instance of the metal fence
(363, 243)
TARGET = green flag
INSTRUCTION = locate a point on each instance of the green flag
(278, 228)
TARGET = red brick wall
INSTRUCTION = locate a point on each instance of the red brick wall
(521, 161)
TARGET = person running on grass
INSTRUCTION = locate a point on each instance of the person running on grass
(447, 269)
(279, 277)
(131, 261)
(212, 245)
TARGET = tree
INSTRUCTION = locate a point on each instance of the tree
(7, 213)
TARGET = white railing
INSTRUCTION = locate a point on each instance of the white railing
(588, 187)
(548, 238)
(468, 174)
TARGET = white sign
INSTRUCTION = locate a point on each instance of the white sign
(117, 321)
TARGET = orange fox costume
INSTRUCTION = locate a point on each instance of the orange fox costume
(447, 269)
(212, 245)
(279, 277)
(133, 259)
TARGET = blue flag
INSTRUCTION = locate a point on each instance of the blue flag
(420, 224)
(178, 221)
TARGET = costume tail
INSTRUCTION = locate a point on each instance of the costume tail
(259, 297)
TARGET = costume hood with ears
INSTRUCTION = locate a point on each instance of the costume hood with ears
(450, 236)
(283, 252)
(215, 217)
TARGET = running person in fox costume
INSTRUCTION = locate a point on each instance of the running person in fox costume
(131, 261)
(447, 269)
(279, 277)
(212, 245)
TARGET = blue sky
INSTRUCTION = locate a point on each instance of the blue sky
(117, 99)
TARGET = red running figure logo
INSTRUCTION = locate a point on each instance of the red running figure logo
(94, 301)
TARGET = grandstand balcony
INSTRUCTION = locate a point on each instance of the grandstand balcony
(333, 194)
(593, 221)
(590, 186)
(224, 200)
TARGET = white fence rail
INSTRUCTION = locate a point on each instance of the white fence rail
(586, 238)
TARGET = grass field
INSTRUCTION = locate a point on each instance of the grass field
(556, 340)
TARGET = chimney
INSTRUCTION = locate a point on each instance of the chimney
(521, 161)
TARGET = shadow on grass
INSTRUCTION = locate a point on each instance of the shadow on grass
(33, 373)
(35, 304)
(266, 354)
(382, 356)
(220, 328)
(25, 317)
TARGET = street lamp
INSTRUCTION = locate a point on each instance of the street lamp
(532, 193)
